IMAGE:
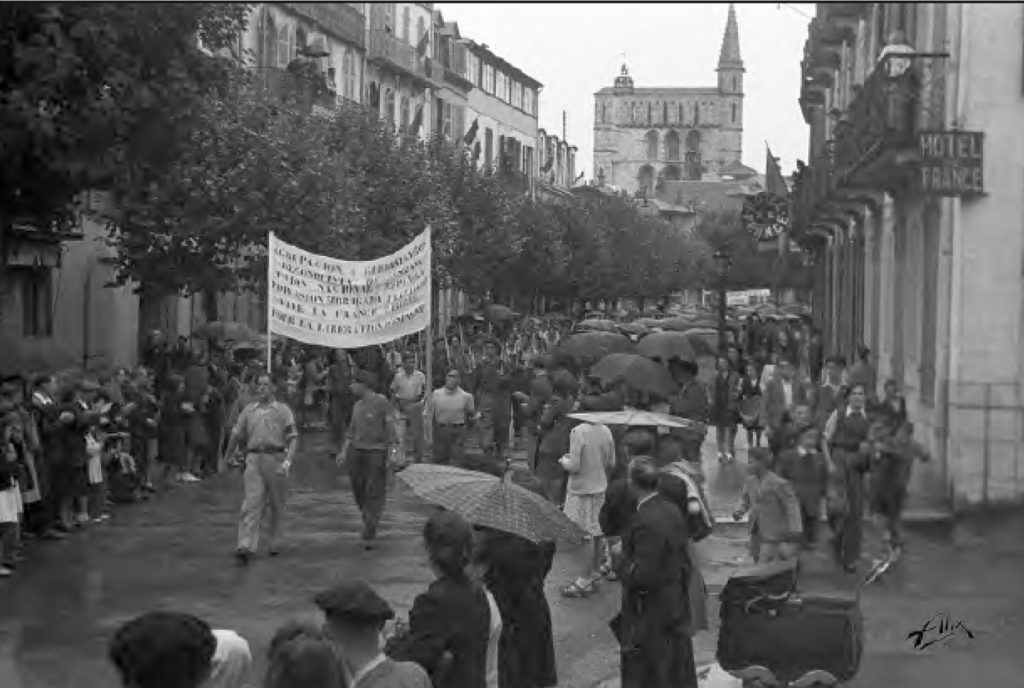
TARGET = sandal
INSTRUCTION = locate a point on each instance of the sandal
(575, 590)
(607, 572)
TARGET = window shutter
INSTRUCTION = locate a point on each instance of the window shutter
(460, 59)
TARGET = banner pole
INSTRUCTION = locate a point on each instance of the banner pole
(428, 392)
(270, 329)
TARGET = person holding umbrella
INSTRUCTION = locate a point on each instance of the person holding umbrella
(690, 403)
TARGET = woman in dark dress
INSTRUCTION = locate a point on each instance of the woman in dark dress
(724, 392)
(173, 422)
(750, 404)
(847, 451)
(450, 624)
(515, 569)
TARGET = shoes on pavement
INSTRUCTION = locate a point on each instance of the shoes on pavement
(242, 556)
(5, 572)
(53, 534)
(273, 552)
(102, 518)
(189, 478)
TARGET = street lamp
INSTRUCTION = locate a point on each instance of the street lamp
(723, 261)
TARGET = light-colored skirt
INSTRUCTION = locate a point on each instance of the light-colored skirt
(697, 590)
(11, 507)
(585, 511)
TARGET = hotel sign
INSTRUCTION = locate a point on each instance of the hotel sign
(952, 163)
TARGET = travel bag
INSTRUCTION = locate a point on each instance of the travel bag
(773, 635)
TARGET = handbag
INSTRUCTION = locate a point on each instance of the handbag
(750, 411)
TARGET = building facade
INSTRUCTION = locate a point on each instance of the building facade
(645, 135)
(916, 222)
(557, 161)
(503, 104)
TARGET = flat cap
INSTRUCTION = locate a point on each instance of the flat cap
(354, 600)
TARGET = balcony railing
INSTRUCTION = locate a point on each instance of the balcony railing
(340, 19)
(816, 184)
(881, 117)
(384, 47)
(287, 86)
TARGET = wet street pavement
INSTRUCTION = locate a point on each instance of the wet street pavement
(174, 552)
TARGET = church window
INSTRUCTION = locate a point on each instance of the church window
(734, 113)
(696, 114)
(405, 24)
(649, 111)
(682, 116)
(672, 145)
(664, 113)
(604, 114)
(651, 141)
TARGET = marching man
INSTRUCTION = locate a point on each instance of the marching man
(266, 430)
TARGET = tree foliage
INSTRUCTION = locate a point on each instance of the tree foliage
(347, 185)
(87, 89)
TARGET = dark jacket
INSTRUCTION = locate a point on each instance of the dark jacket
(451, 618)
(516, 569)
(654, 610)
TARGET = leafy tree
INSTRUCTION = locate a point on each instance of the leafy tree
(89, 89)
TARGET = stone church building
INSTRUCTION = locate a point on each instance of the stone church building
(645, 136)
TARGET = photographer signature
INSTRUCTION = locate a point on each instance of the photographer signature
(938, 629)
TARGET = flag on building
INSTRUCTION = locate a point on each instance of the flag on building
(421, 47)
(774, 182)
(549, 164)
(476, 151)
(417, 120)
(471, 134)
(578, 178)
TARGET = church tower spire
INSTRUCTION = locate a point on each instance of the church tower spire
(730, 54)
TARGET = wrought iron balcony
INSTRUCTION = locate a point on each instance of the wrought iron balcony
(339, 19)
(880, 122)
(816, 185)
(289, 87)
(386, 49)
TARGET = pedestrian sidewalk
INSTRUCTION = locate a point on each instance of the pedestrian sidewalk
(970, 575)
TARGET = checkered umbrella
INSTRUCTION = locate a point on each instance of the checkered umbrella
(493, 502)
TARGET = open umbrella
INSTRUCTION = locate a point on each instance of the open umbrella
(639, 373)
(498, 314)
(638, 418)
(678, 323)
(666, 346)
(493, 502)
(634, 328)
(588, 347)
(704, 341)
(597, 325)
(225, 331)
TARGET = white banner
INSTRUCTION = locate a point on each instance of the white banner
(346, 304)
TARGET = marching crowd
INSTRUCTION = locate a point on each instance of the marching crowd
(76, 444)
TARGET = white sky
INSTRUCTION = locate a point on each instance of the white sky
(576, 48)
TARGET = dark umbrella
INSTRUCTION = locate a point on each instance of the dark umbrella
(498, 314)
(667, 345)
(225, 330)
(639, 373)
(595, 324)
(703, 340)
(588, 347)
(678, 323)
(634, 328)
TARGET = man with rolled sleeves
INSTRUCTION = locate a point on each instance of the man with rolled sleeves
(266, 430)
(453, 410)
(370, 437)
(355, 617)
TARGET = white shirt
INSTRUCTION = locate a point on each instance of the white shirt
(231, 662)
(408, 387)
(493, 641)
(366, 669)
(787, 391)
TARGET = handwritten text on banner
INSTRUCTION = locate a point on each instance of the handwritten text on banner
(348, 304)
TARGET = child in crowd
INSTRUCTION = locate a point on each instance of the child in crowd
(11, 508)
(776, 525)
(893, 455)
(123, 478)
(788, 436)
(805, 467)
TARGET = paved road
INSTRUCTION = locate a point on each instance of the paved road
(174, 553)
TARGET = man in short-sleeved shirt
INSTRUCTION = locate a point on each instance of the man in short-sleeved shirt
(453, 410)
(371, 434)
(408, 389)
(266, 433)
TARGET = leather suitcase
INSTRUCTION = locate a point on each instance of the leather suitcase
(795, 639)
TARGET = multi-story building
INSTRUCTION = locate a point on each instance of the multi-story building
(503, 105)
(557, 162)
(452, 99)
(400, 76)
(643, 135)
(279, 32)
(917, 226)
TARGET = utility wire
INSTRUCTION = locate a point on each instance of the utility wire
(792, 8)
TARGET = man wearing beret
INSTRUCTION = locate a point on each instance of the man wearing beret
(355, 616)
